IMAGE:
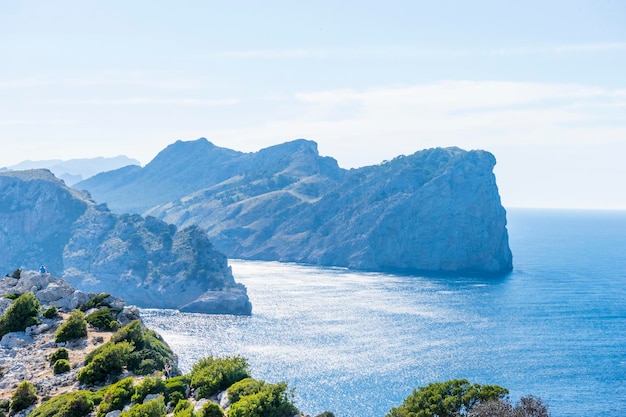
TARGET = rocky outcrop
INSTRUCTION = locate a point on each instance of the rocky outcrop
(24, 355)
(146, 261)
(435, 211)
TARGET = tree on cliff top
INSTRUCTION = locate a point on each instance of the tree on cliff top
(454, 398)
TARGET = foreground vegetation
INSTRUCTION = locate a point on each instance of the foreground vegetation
(135, 372)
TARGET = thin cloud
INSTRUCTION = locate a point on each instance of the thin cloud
(413, 52)
(113, 78)
(147, 101)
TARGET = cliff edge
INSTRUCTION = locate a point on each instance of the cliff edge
(147, 261)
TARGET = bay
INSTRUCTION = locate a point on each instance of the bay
(358, 343)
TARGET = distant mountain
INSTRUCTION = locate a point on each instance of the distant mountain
(75, 170)
(148, 262)
(437, 210)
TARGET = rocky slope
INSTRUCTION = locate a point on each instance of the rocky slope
(148, 262)
(23, 355)
(437, 210)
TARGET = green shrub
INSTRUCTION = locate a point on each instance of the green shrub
(210, 375)
(24, 396)
(142, 352)
(175, 398)
(95, 302)
(450, 398)
(182, 405)
(152, 408)
(211, 409)
(17, 274)
(4, 408)
(247, 386)
(108, 359)
(103, 319)
(75, 327)
(150, 385)
(51, 312)
(116, 396)
(61, 366)
(272, 400)
(69, 404)
(20, 315)
(60, 353)
(326, 414)
(177, 385)
(12, 296)
(151, 352)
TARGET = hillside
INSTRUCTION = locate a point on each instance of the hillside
(437, 210)
(148, 262)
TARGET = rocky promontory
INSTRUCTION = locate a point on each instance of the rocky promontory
(437, 210)
(145, 260)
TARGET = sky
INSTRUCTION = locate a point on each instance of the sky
(540, 84)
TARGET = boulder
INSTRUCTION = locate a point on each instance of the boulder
(15, 340)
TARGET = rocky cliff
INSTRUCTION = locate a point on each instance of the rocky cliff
(148, 262)
(437, 210)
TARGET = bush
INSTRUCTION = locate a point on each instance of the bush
(75, 327)
(152, 408)
(51, 312)
(182, 405)
(326, 414)
(210, 375)
(151, 352)
(95, 302)
(247, 386)
(12, 296)
(60, 353)
(450, 398)
(116, 396)
(177, 385)
(150, 385)
(20, 315)
(271, 400)
(17, 274)
(103, 319)
(61, 366)
(4, 408)
(69, 404)
(108, 359)
(24, 396)
(175, 398)
(142, 352)
(211, 409)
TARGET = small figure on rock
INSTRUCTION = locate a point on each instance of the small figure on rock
(42, 270)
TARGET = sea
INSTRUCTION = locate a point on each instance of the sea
(357, 343)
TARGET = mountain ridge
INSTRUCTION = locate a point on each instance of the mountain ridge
(437, 210)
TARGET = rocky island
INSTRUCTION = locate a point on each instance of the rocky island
(437, 210)
(147, 261)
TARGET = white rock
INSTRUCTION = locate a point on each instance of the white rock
(15, 339)
(223, 400)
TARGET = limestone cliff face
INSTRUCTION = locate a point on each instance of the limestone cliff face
(437, 210)
(144, 260)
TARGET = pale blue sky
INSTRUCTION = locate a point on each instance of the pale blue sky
(541, 84)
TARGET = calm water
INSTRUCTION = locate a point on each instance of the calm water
(358, 343)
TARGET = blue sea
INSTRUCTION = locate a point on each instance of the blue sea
(358, 343)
